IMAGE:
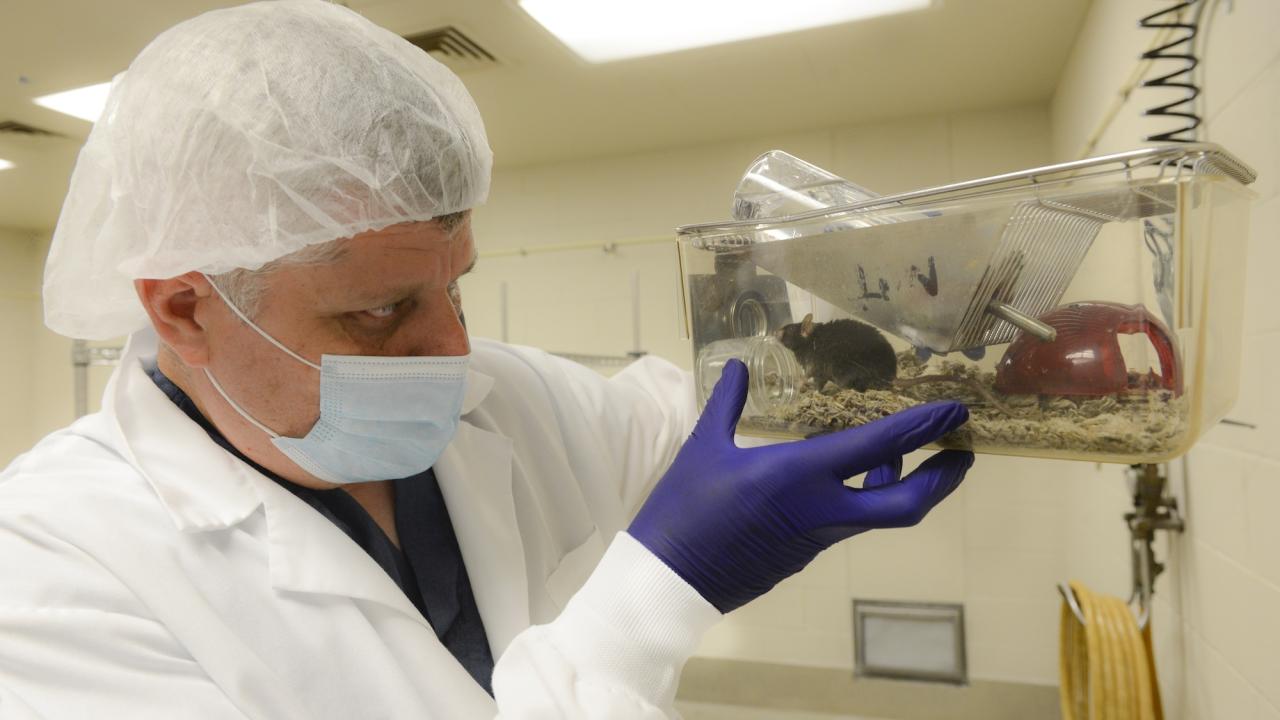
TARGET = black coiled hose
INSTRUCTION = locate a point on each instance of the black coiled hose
(1181, 49)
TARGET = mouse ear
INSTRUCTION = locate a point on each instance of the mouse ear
(806, 325)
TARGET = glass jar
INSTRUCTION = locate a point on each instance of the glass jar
(775, 374)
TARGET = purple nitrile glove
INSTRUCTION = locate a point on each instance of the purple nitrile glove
(733, 522)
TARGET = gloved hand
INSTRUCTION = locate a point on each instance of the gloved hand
(733, 522)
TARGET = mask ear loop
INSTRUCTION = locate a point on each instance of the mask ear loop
(257, 329)
(236, 406)
(213, 381)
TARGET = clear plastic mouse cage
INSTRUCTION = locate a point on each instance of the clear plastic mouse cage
(1089, 310)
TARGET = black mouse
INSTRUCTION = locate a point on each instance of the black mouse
(846, 352)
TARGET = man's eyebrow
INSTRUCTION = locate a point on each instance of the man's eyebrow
(387, 295)
(381, 296)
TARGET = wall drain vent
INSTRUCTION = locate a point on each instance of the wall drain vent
(909, 641)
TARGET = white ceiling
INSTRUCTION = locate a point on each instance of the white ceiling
(541, 103)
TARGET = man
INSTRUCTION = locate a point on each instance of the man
(309, 493)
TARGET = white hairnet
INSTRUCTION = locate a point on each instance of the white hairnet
(245, 134)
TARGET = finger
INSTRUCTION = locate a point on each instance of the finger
(960, 456)
(889, 472)
(906, 503)
(724, 407)
(857, 450)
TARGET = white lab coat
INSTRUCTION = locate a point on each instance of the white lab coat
(145, 572)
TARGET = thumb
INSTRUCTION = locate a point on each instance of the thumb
(720, 417)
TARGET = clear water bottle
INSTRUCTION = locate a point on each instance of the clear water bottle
(779, 184)
(775, 374)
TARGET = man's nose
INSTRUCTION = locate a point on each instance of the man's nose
(440, 332)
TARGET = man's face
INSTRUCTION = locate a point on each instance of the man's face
(391, 292)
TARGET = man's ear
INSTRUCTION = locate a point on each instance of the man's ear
(172, 305)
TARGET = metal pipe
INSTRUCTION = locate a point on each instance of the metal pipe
(1022, 321)
(636, 348)
(610, 246)
(502, 309)
(80, 377)
(1146, 584)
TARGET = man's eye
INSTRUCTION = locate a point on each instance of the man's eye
(383, 312)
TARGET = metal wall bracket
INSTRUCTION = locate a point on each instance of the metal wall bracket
(1153, 510)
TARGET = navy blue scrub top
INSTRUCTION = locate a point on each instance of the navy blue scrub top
(428, 564)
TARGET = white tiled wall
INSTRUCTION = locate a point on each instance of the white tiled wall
(1217, 619)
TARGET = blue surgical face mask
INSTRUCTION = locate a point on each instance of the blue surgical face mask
(381, 418)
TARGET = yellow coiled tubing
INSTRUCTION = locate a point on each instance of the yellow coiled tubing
(1106, 667)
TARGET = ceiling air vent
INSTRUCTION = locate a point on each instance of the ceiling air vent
(17, 128)
(451, 47)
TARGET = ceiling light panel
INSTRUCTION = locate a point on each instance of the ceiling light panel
(604, 30)
(85, 103)
(5, 164)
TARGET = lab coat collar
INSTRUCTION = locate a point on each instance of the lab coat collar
(201, 485)
(309, 554)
